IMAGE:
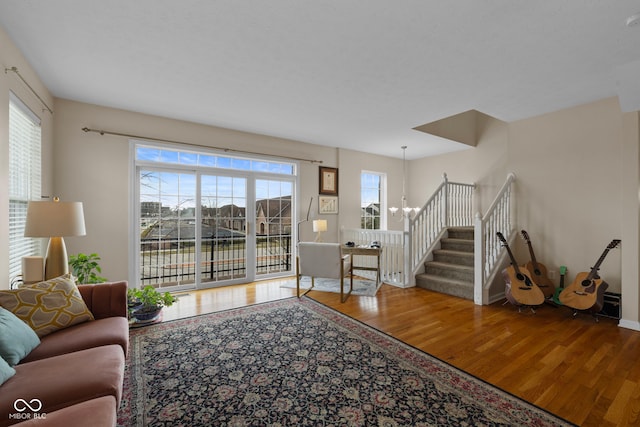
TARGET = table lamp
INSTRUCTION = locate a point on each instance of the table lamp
(319, 225)
(55, 219)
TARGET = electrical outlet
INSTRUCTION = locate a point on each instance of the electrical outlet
(552, 274)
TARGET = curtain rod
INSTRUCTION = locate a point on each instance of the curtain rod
(15, 70)
(105, 132)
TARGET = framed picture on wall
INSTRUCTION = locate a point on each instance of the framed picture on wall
(327, 205)
(328, 181)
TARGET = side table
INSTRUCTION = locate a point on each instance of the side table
(364, 251)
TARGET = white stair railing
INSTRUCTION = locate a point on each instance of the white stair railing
(451, 205)
(392, 256)
(499, 217)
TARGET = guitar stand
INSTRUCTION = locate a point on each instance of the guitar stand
(595, 316)
(532, 307)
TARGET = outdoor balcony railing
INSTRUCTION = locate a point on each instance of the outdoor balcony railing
(171, 262)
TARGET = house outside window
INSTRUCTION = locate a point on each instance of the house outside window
(371, 200)
(24, 180)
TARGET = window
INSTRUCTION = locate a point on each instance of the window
(24, 180)
(169, 156)
(207, 218)
(371, 206)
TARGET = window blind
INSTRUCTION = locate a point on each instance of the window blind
(24, 179)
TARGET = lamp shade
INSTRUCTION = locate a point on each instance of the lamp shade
(54, 219)
(319, 225)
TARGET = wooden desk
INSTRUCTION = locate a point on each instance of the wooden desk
(364, 251)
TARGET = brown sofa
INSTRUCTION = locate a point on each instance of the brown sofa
(76, 373)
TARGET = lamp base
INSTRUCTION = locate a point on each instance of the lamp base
(56, 262)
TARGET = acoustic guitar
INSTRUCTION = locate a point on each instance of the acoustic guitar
(587, 290)
(538, 271)
(519, 288)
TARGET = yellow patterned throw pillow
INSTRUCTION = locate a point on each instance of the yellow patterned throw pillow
(47, 306)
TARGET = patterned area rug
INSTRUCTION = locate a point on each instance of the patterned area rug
(295, 362)
(361, 287)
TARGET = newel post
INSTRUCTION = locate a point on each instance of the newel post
(478, 261)
(408, 253)
(445, 200)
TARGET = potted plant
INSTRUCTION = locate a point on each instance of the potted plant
(85, 268)
(133, 303)
(145, 304)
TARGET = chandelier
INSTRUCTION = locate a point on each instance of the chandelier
(406, 210)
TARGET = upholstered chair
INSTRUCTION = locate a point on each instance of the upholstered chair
(323, 260)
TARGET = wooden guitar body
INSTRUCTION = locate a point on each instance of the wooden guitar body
(519, 288)
(587, 290)
(540, 277)
(584, 294)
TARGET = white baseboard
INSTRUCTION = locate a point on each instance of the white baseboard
(399, 285)
(629, 324)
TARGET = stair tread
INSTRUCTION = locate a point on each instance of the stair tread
(453, 252)
(461, 230)
(455, 239)
(449, 265)
(451, 271)
(444, 279)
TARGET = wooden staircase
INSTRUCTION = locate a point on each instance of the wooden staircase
(451, 271)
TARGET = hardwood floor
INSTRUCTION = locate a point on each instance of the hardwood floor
(583, 371)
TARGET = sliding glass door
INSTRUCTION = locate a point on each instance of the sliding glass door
(273, 210)
(167, 213)
(223, 228)
(205, 220)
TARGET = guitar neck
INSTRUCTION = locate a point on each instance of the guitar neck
(506, 245)
(513, 259)
(525, 236)
(594, 270)
(533, 256)
(563, 272)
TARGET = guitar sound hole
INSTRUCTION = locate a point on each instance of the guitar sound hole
(520, 277)
(586, 283)
(538, 272)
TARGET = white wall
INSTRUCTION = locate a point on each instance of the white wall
(353, 163)
(577, 188)
(94, 169)
(577, 176)
(485, 165)
(631, 221)
(573, 202)
(568, 165)
(10, 57)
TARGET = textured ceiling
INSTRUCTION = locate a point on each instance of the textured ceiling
(359, 74)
